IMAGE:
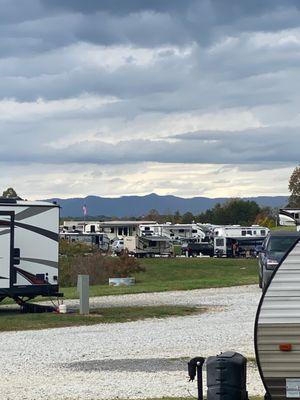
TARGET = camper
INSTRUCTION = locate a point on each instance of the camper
(117, 229)
(277, 329)
(148, 246)
(175, 232)
(28, 249)
(99, 241)
(238, 241)
(289, 217)
(75, 226)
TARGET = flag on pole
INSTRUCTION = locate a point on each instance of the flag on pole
(84, 209)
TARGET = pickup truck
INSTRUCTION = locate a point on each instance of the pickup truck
(193, 248)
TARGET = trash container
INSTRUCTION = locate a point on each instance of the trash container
(226, 377)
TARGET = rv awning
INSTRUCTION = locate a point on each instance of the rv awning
(156, 238)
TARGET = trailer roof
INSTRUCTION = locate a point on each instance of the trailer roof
(25, 203)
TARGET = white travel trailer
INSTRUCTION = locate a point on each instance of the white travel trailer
(277, 329)
(236, 240)
(175, 232)
(28, 249)
(148, 246)
(96, 240)
(76, 226)
(116, 229)
(289, 217)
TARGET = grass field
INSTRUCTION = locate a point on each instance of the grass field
(16, 321)
(165, 274)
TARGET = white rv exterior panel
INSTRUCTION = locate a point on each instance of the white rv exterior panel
(277, 324)
(35, 237)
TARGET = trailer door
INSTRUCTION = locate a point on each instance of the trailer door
(5, 249)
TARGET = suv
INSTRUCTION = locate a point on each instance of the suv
(273, 249)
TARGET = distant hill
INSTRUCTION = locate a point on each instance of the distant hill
(134, 206)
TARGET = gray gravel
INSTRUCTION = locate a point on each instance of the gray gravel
(130, 360)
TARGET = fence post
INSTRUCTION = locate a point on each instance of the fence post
(83, 282)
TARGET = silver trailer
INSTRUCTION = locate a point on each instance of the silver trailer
(28, 249)
(289, 217)
(175, 232)
(97, 240)
(277, 329)
(148, 246)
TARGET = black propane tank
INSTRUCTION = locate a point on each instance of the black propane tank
(226, 377)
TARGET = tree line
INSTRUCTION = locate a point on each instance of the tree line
(233, 212)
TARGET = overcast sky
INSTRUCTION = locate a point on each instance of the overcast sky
(191, 98)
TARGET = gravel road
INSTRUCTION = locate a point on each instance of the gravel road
(129, 360)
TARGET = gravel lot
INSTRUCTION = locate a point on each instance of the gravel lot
(130, 360)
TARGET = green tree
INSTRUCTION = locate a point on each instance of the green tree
(234, 211)
(294, 188)
(10, 193)
(187, 218)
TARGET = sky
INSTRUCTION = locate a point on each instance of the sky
(130, 97)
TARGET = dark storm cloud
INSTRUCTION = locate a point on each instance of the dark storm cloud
(36, 26)
(205, 57)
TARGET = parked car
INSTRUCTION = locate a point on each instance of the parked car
(118, 246)
(273, 249)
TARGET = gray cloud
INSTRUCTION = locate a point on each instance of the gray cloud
(246, 147)
(168, 67)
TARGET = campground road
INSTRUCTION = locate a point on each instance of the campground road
(133, 359)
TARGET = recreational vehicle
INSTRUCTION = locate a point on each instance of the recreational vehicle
(120, 229)
(148, 246)
(236, 240)
(277, 329)
(28, 249)
(175, 232)
(289, 217)
(75, 226)
(97, 240)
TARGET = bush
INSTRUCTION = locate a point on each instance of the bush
(75, 260)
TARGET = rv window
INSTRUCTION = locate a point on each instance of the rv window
(263, 232)
(194, 231)
(249, 233)
(112, 230)
(296, 216)
(152, 243)
(147, 228)
(220, 242)
(120, 231)
(254, 232)
(93, 229)
(243, 233)
(180, 230)
(133, 228)
(125, 231)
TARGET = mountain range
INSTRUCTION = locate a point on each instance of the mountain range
(136, 206)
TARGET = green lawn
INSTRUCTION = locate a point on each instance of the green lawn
(165, 274)
(13, 320)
